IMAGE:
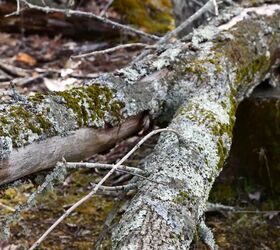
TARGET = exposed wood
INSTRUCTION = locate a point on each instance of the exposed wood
(78, 145)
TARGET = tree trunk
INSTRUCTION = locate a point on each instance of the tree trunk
(224, 69)
(202, 80)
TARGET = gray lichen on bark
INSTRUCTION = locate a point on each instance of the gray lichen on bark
(52, 114)
(6, 146)
(220, 74)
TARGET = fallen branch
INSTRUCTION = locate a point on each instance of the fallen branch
(97, 186)
(110, 50)
(205, 8)
(69, 12)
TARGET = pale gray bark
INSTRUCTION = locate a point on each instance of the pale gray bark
(144, 86)
(166, 216)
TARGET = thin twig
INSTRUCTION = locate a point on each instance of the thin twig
(109, 220)
(106, 51)
(123, 188)
(15, 12)
(216, 7)
(103, 12)
(90, 194)
(215, 207)
(256, 211)
(7, 207)
(124, 169)
(205, 8)
(69, 12)
(103, 166)
(121, 179)
(201, 4)
(50, 178)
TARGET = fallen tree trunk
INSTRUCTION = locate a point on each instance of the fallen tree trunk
(203, 79)
(108, 101)
(224, 70)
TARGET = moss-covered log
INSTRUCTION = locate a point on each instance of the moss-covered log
(228, 62)
(113, 100)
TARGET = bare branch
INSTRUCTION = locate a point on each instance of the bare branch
(90, 194)
(15, 12)
(201, 4)
(103, 166)
(106, 51)
(103, 12)
(123, 188)
(124, 169)
(205, 8)
(69, 12)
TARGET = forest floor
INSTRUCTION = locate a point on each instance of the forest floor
(38, 63)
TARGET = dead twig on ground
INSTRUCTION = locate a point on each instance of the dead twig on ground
(110, 50)
(69, 12)
(7, 207)
(205, 8)
(97, 186)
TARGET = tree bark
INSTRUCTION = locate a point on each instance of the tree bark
(224, 69)
(201, 79)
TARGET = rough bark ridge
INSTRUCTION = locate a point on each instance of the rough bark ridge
(227, 64)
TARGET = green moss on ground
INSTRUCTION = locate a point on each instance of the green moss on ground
(81, 228)
(152, 16)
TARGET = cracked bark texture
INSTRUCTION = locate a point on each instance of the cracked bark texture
(111, 105)
(225, 66)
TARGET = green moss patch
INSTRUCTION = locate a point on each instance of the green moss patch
(46, 115)
(152, 16)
